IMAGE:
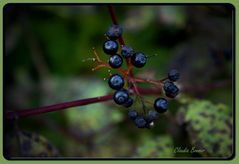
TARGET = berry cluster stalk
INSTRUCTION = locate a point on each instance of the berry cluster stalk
(57, 107)
(129, 71)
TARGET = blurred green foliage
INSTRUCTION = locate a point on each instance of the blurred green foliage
(209, 127)
(160, 146)
(45, 46)
(27, 144)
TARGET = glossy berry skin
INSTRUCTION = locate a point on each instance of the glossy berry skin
(129, 102)
(115, 61)
(161, 105)
(173, 75)
(127, 51)
(138, 59)
(171, 90)
(121, 96)
(110, 47)
(116, 81)
(140, 122)
(151, 116)
(114, 32)
(132, 114)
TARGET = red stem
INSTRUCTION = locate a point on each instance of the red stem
(115, 22)
(113, 15)
(61, 106)
(56, 107)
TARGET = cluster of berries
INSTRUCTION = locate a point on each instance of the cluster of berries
(160, 104)
(117, 82)
(111, 47)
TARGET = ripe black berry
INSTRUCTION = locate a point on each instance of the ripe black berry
(171, 90)
(121, 96)
(132, 114)
(151, 116)
(138, 60)
(127, 51)
(129, 102)
(161, 105)
(115, 61)
(116, 81)
(114, 32)
(140, 122)
(173, 75)
(110, 47)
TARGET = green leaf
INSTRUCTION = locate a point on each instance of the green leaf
(161, 146)
(209, 126)
(28, 144)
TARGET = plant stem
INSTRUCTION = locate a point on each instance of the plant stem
(61, 106)
(56, 107)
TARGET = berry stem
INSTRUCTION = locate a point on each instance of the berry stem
(155, 82)
(121, 39)
(65, 105)
(57, 107)
(113, 15)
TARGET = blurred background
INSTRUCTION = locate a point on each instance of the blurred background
(44, 49)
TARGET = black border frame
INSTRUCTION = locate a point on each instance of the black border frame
(127, 158)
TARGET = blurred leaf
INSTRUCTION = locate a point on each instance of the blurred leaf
(161, 146)
(28, 144)
(209, 127)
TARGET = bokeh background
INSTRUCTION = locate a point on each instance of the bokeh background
(44, 49)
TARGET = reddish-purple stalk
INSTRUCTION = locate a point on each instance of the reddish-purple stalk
(61, 106)
(56, 107)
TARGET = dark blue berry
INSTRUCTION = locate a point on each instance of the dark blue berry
(115, 61)
(114, 32)
(110, 47)
(140, 122)
(127, 51)
(132, 114)
(161, 105)
(129, 102)
(116, 81)
(171, 90)
(121, 96)
(138, 59)
(173, 75)
(151, 116)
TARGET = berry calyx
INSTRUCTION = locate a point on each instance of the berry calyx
(171, 90)
(110, 47)
(140, 122)
(129, 102)
(127, 51)
(132, 114)
(114, 32)
(173, 75)
(121, 96)
(115, 61)
(116, 81)
(138, 59)
(161, 105)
